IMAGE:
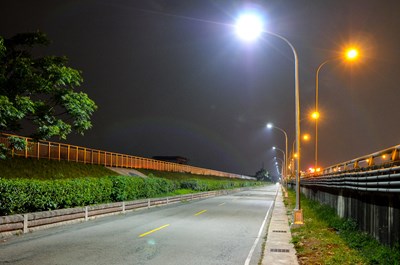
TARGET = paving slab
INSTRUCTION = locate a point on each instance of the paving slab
(278, 248)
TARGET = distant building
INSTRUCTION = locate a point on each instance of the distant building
(173, 159)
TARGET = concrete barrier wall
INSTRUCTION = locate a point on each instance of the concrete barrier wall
(376, 213)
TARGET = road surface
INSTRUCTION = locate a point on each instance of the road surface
(219, 230)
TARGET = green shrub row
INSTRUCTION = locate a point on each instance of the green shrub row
(24, 195)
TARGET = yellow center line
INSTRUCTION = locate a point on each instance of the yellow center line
(200, 212)
(154, 230)
(221, 204)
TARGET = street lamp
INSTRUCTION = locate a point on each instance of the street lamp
(253, 25)
(350, 54)
(270, 126)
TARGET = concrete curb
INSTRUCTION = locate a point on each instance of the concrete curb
(278, 249)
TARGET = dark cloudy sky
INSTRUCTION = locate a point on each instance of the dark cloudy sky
(167, 82)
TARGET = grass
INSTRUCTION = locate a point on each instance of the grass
(29, 168)
(182, 176)
(326, 238)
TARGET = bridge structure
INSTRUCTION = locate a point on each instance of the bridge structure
(365, 189)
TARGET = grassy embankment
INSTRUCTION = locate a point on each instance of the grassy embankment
(29, 185)
(327, 239)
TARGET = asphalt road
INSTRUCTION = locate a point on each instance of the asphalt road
(220, 230)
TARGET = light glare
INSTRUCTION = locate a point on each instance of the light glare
(315, 115)
(249, 27)
(352, 54)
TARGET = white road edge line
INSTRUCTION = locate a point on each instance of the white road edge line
(247, 262)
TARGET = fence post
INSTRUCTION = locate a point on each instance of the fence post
(38, 150)
(25, 224)
(148, 203)
(77, 154)
(84, 155)
(26, 147)
(123, 207)
(68, 151)
(59, 152)
(49, 151)
(86, 213)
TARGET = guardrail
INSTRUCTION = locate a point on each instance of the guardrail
(382, 159)
(59, 151)
(29, 222)
(378, 180)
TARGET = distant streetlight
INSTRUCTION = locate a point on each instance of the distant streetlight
(350, 54)
(276, 163)
(283, 152)
(253, 25)
(270, 126)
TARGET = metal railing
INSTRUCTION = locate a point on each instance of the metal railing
(382, 159)
(41, 149)
(377, 180)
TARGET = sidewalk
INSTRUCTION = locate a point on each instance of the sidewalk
(278, 249)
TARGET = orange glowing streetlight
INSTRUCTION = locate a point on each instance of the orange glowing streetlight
(315, 115)
(306, 137)
(350, 54)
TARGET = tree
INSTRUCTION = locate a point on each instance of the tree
(38, 93)
(262, 175)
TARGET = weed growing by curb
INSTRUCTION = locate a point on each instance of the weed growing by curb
(326, 238)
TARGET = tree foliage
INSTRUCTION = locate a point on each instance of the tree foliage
(262, 175)
(38, 94)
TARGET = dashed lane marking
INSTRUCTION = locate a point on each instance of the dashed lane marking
(154, 230)
(200, 212)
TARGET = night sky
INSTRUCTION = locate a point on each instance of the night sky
(170, 81)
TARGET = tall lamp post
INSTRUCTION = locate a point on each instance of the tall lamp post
(270, 126)
(350, 54)
(250, 26)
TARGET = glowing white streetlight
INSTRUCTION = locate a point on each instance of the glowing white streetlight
(249, 26)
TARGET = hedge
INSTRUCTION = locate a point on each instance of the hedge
(24, 195)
